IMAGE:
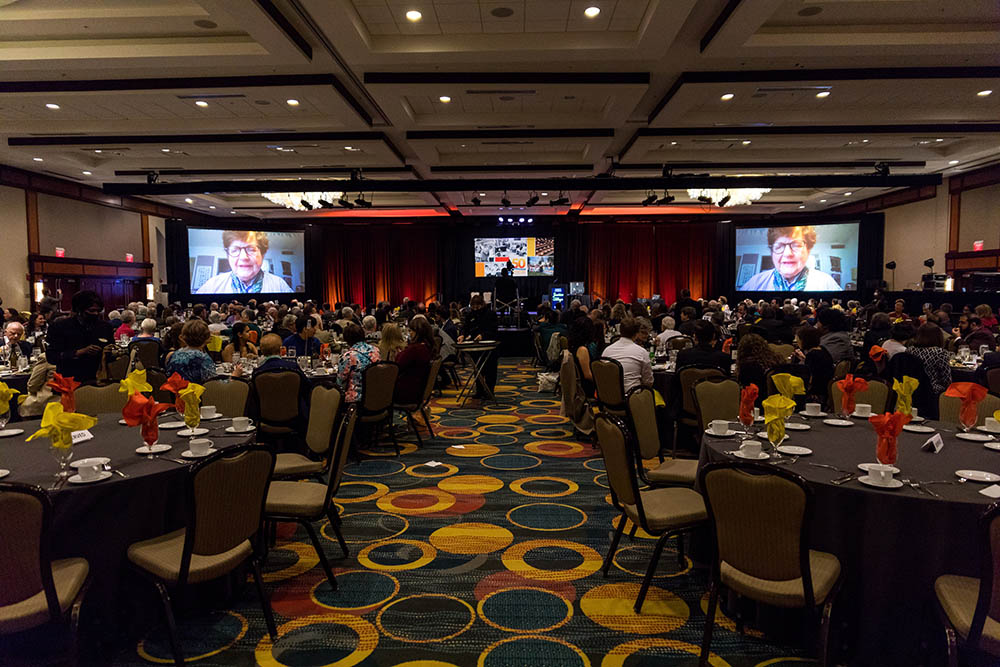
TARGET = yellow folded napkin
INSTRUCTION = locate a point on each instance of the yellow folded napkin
(6, 393)
(135, 382)
(904, 394)
(776, 408)
(788, 385)
(191, 397)
(58, 426)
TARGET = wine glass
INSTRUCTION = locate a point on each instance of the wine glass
(62, 455)
(192, 418)
(775, 441)
(4, 354)
(747, 421)
(966, 424)
(150, 432)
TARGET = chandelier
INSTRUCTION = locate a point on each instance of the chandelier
(724, 197)
(303, 201)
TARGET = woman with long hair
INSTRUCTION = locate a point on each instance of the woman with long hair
(584, 348)
(754, 358)
(414, 363)
(240, 344)
(391, 343)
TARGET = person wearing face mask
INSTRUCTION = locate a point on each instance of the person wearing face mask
(77, 341)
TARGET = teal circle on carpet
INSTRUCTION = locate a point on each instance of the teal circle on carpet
(525, 610)
(532, 651)
(360, 527)
(511, 461)
(527, 411)
(357, 590)
(493, 439)
(547, 516)
(374, 468)
(499, 408)
(553, 558)
(462, 413)
(199, 634)
(597, 465)
(552, 433)
(316, 644)
(456, 422)
(425, 619)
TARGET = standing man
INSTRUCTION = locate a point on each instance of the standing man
(481, 324)
(76, 342)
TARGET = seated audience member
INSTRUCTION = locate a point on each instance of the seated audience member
(754, 358)
(370, 326)
(76, 342)
(147, 330)
(38, 393)
(583, 348)
(11, 315)
(358, 356)
(704, 353)
(668, 324)
(191, 361)
(286, 327)
(127, 326)
(974, 334)
(215, 323)
(414, 363)
(900, 335)
(346, 317)
(688, 318)
(817, 360)
(773, 327)
(878, 332)
(927, 348)
(629, 350)
(986, 317)
(270, 355)
(832, 325)
(897, 315)
(36, 328)
(240, 344)
(548, 325)
(303, 341)
(14, 337)
(618, 313)
(391, 342)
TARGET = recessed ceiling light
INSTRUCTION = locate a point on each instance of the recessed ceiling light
(823, 93)
(50, 105)
(939, 140)
(88, 173)
(233, 212)
(201, 103)
(803, 206)
(952, 161)
(727, 97)
(348, 148)
(212, 207)
(482, 194)
(984, 93)
(848, 194)
(444, 99)
(822, 201)
(545, 194)
(164, 150)
(38, 159)
(864, 141)
(98, 150)
(924, 141)
(591, 12)
(414, 15)
(746, 142)
(292, 103)
(188, 200)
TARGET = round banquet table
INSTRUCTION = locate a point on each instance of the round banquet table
(98, 521)
(892, 544)
(18, 381)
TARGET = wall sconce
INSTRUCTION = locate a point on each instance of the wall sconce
(39, 291)
(150, 291)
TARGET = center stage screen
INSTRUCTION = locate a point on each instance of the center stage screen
(226, 261)
(802, 258)
(530, 256)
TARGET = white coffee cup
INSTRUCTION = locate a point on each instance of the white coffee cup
(207, 411)
(880, 474)
(200, 446)
(913, 412)
(90, 468)
(992, 425)
(863, 409)
(812, 408)
(719, 426)
(242, 424)
(750, 448)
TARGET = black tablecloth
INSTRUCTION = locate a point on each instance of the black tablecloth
(892, 544)
(99, 521)
(18, 381)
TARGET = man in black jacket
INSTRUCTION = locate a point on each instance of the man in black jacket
(687, 302)
(481, 324)
(704, 353)
(76, 342)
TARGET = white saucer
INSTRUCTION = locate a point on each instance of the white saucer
(188, 454)
(893, 484)
(794, 450)
(978, 475)
(760, 457)
(917, 420)
(217, 415)
(817, 415)
(992, 445)
(857, 416)
(172, 425)
(864, 466)
(728, 434)
(838, 422)
(975, 437)
(917, 428)
(192, 432)
(157, 448)
(232, 429)
(4, 473)
(11, 432)
(123, 422)
(76, 479)
(986, 430)
(796, 426)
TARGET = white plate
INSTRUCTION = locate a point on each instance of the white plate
(893, 484)
(864, 466)
(188, 454)
(232, 429)
(917, 420)
(192, 432)
(728, 434)
(992, 445)
(857, 416)
(11, 432)
(217, 415)
(917, 428)
(796, 426)
(760, 457)
(4, 473)
(172, 425)
(794, 450)
(76, 479)
(817, 415)
(838, 422)
(978, 475)
(90, 462)
(158, 448)
(975, 437)
(986, 430)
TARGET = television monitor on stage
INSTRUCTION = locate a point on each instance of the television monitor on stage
(528, 255)
(228, 261)
(576, 288)
(797, 258)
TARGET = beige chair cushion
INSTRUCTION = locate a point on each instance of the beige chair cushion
(825, 569)
(276, 430)
(68, 576)
(161, 557)
(669, 508)
(296, 464)
(674, 471)
(303, 499)
(958, 597)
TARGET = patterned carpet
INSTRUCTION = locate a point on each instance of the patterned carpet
(491, 558)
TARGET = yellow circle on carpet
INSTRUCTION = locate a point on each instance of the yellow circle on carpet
(448, 469)
(540, 403)
(307, 560)
(546, 420)
(389, 502)
(553, 447)
(370, 606)
(617, 656)
(500, 429)
(517, 487)
(380, 490)
(366, 632)
(470, 484)
(488, 621)
(457, 433)
(472, 450)
(588, 462)
(579, 523)
(611, 605)
(141, 648)
(426, 663)
(471, 538)
(537, 462)
(498, 419)
(639, 532)
(642, 573)
(381, 613)
(584, 660)
(513, 560)
(427, 554)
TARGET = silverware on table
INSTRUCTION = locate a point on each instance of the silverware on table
(845, 479)
(180, 461)
(830, 467)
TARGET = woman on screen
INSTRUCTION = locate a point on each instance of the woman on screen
(246, 252)
(790, 248)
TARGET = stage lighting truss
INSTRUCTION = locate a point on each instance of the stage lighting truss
(302, 201)
(727, 198)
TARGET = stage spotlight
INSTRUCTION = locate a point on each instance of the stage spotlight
(476, 201)
(345, 202)
(532, 200)
(929, 263)
(501, 218)
(561, 200)
(362, 202)
(324, 203)
(504, 201)
(650, 199)
(308, 206)
(891, 265)
(666, 199)
(705, 200)
(724, 201)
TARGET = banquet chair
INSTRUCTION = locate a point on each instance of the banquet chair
(324, 406)
(663, 512)
(93, 400)
(118, 369)
(306, 502)
(147, 352)
(224, 500)
(34, 589)
(156, 379)
(842, 368)
(228, 396)
(716, 398)
(924, 399)
(641, 405)
(969, 607)
(993, 380)
(275, 396)
(378, 382)
(609, 379)
(680, 342)
(411, 409)
(686, 377)
(573, 401)
(877, 396)
(949, 408)
(783, 350)
(760, 516)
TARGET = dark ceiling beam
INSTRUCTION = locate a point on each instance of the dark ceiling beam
(180, 83)
(491, 78)
(244, 138)
(290, 171)
(511, 134)
(602, 183)
(717, 24)
(853, 164)
(514, 168)
(286, 27)
(860, 130)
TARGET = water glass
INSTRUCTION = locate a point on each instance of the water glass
(62, 456)
(292, 353)
(303, 362)
(4, 418)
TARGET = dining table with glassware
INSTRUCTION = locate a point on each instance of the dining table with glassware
(893, 530)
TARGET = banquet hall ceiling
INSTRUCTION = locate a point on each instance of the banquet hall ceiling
(200, 90)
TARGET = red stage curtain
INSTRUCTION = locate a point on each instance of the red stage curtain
(685, 257)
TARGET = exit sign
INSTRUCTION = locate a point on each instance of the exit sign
(977, 245)
(129, 257)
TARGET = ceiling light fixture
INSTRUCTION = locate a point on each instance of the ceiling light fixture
(504, 201)
(293, 200)
(650, 199)
(864, 141)
(666, 199)
(483, 194)
(188, 200)
(38, 159)
(673, 143)
(952, 161)
(308, 206)
(822, 201)
(559, 201)
(545, 194)
(848, 194)
(501, 218)
(362, 202)
(414, 15)
(746, 142)
(164, 150)
(532, 200)
(823, 93)
(727, 97)
(803, 206)
(445, 99)
(53, 106)
(476, 201)
(88, 173)
(984, 93)
(591, 12)
(98, 150)
(233, 212)
(292, 103)
(345, 202)
(212, 207)
(201, 103)
(939, 140)
(724, 197)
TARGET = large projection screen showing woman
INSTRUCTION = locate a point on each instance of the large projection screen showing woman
(798, 258)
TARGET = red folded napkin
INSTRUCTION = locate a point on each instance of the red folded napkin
(324, 350)
(888, 427)
(142, 411)
(877, 353)
(727, 345)
(970, 393)
(174, 384)
(849, 386)
(66, 388)
(747, 398)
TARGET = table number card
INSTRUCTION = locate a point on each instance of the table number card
(934, 444)
(81, 436)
